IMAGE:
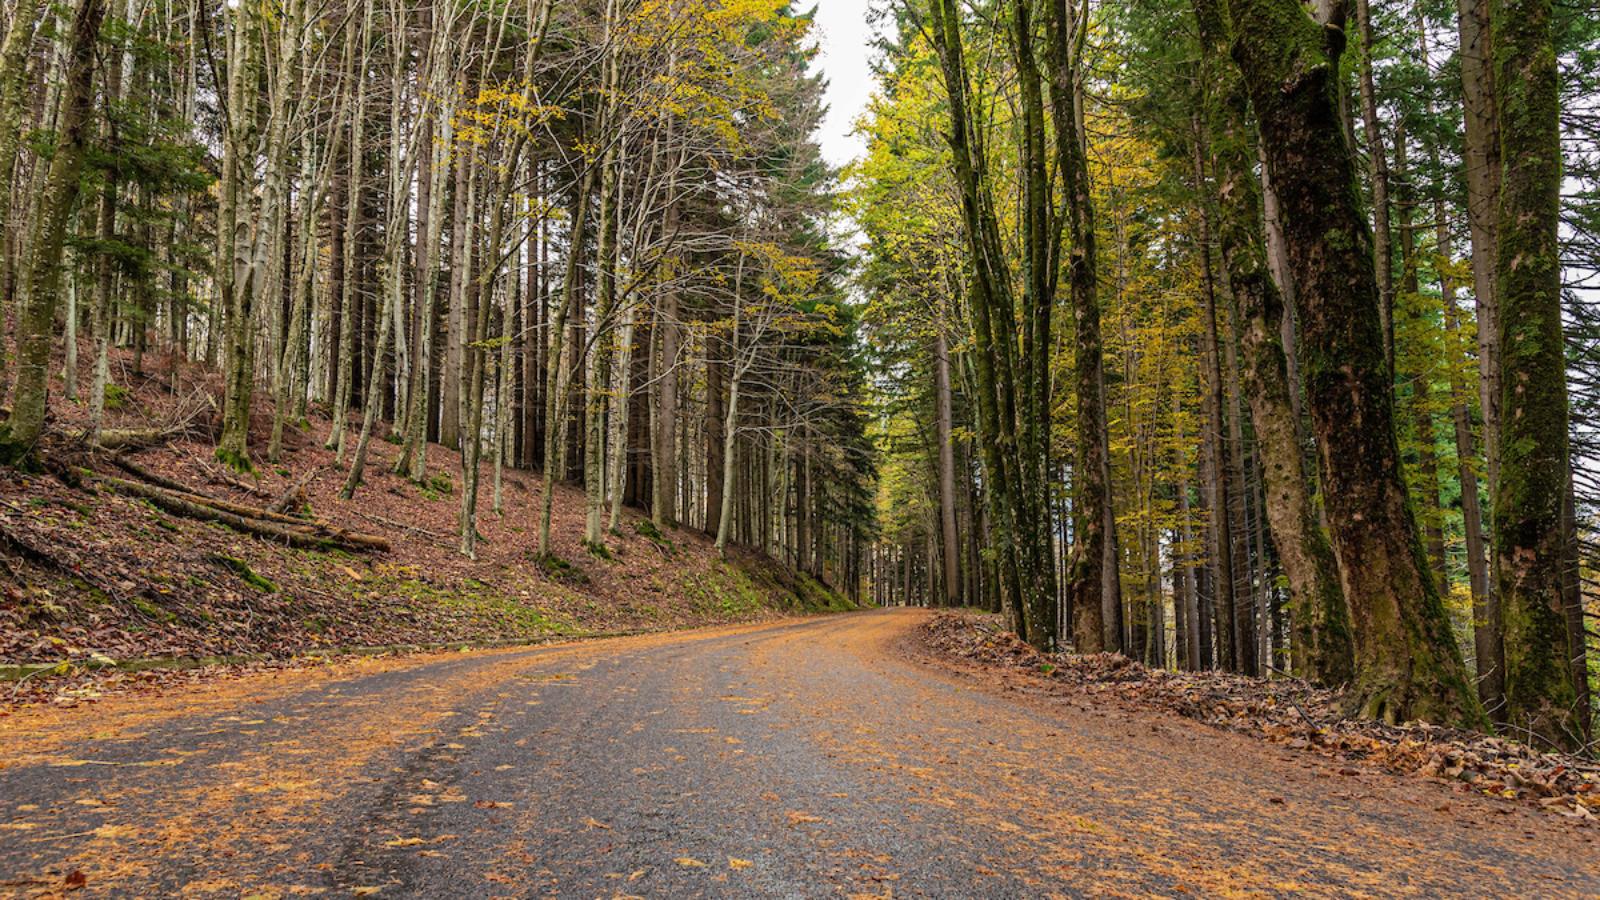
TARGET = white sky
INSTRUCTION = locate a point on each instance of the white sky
(844, 37)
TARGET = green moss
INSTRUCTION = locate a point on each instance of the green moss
(16, 454)
(647, 529)
(116, 396)
(150, 610)
(242, 569)
(239, 462)
(558, 569)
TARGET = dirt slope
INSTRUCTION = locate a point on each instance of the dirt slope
(87, 574)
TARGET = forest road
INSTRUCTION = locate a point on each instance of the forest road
(799, 759)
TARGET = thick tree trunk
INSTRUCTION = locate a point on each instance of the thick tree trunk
(621, 390)
(42, 275)
(1407, 664)
(25, 19)
(1094, 589)
(1322, 619)
(1531, 537)
(597, 405)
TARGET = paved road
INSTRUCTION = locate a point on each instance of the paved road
(804, 759)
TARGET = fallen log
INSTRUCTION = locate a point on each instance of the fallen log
(295, 495)
(143, 474)
(298, 534)
(137, 438)
(238, 509)
(217, 476)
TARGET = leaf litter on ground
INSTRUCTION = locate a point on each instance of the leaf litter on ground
(1289, 712)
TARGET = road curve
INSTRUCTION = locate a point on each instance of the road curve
(804, 759)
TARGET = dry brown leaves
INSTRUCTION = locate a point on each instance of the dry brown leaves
(124, 581)
(1292, 713)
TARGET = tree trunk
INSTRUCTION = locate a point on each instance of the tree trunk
(14, 53)
(622, 389)
(947, 468)
(1321, 617)
(1407, 664)
(1531, 542)
(1378, 163)
(555, 372)
(1093, 583)
(349, 298)
(1481, 159)
(716, 445)
(42, 275)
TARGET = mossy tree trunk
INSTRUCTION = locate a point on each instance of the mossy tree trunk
(993, 317)
(1531, 538)
(41, 276)
(1323, 625)
(1094, 587)
(1407, 663)
(25, 19)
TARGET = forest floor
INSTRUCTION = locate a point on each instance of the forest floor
(95, 583)
(1283, 711)
(838, 756)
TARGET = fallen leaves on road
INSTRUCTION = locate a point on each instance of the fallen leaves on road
(1289, 712)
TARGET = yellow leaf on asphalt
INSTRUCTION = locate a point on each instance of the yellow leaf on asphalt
(689, 862)
(737, 863)
(405, 842)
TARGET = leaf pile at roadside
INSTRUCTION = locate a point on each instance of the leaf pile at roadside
(1290, 712)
